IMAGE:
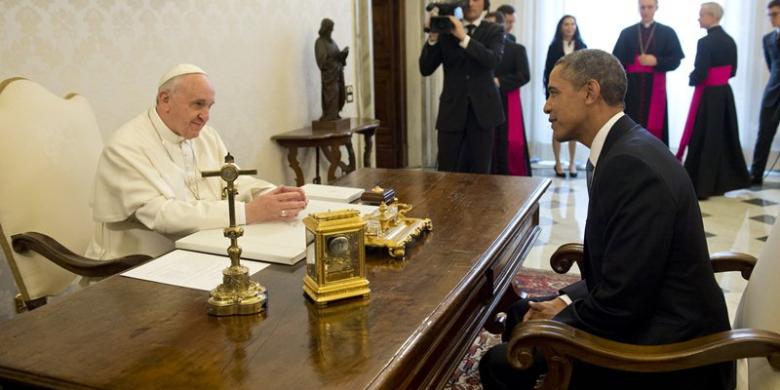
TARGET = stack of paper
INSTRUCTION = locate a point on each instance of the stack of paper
(332, 193)
(188, 269)
(276, 242)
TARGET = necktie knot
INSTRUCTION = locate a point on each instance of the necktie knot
(470, 29)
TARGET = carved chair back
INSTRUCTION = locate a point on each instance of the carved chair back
(48, 153)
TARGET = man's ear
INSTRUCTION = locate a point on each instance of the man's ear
(593, 90)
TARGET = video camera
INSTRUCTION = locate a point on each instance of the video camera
(440, 10)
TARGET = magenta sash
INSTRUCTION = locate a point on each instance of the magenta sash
(657, 110)
(715, 76)
(515, 135)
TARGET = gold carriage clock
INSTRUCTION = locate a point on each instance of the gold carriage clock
(335, 256)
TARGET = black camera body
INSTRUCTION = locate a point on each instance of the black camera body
(440, 12)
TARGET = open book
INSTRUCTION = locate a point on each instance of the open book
(276, 242)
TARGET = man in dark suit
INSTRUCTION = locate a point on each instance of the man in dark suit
(509, 20)
(770, 105)
(470, 105)
(647, 278)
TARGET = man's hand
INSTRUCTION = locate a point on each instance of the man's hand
(457, 31)
(281, 204)
(544, 310)
(648, 60)
(432, 37)
(498, 83)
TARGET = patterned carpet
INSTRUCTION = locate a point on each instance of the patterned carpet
(534, 283)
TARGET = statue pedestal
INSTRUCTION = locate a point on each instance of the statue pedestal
(332, 125)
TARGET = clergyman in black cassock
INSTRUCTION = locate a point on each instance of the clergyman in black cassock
(646, 95)
(512, 73)
(714, 161)
(647, 277)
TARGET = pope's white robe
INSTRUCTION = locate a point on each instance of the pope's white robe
(148, 190)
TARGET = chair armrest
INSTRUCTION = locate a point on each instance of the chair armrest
(733, 261)
(565, 256)
(560, 343)
(79, 265)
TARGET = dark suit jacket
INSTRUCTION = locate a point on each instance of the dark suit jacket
(647, 275)
(468, 77)
(772, 57)
(512, 72)
(554, 53)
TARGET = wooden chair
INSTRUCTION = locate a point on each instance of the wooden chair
(756, 333)
(49, 148)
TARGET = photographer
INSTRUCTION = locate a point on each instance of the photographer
(470, 105)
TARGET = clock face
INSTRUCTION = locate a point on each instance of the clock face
(341, 256)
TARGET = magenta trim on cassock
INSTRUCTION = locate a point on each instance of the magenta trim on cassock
(718, 75)
(515, 135)
(657, 110)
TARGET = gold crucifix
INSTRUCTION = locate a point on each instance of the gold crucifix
(237, 295)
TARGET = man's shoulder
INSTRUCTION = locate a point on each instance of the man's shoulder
(132, 132)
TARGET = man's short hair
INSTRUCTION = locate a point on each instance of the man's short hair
(773, 3)
(715, 9)
(582, 66)
(507, 9)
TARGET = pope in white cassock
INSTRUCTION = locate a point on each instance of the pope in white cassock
(148, 187)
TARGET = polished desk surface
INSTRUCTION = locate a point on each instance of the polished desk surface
(127, 333)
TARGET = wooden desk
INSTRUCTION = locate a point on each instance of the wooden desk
(412, 332)
(329, 142)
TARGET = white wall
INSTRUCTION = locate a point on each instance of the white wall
(259, 54)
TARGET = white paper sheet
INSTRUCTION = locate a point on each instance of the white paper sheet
(195, 270)
(332, 193)
(276, 242)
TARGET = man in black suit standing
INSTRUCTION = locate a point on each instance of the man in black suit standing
(647, 278)
(770, 105)
(470, 105)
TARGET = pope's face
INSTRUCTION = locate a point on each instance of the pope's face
(565, 106)
(185, 109)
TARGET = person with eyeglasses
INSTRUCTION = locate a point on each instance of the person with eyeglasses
(770, 104)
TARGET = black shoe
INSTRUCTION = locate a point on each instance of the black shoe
(573, 175)
(757, 180)
(559, 174)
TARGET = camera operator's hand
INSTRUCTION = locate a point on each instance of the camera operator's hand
(457, 31)
(432, 36)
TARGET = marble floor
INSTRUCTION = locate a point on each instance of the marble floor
(739, 221)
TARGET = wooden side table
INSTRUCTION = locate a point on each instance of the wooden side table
(330, 142)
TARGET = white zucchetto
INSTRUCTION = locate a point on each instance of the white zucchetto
(179, 70)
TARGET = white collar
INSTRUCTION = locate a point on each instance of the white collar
(162, 129)
(601, 137)
(647, 25)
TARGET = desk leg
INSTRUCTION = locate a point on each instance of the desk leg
(317, 179)
(292, 158)
(333, 155)
(351, 153)
(368, 136)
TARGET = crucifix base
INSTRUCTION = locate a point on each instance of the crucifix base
(237, 295)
